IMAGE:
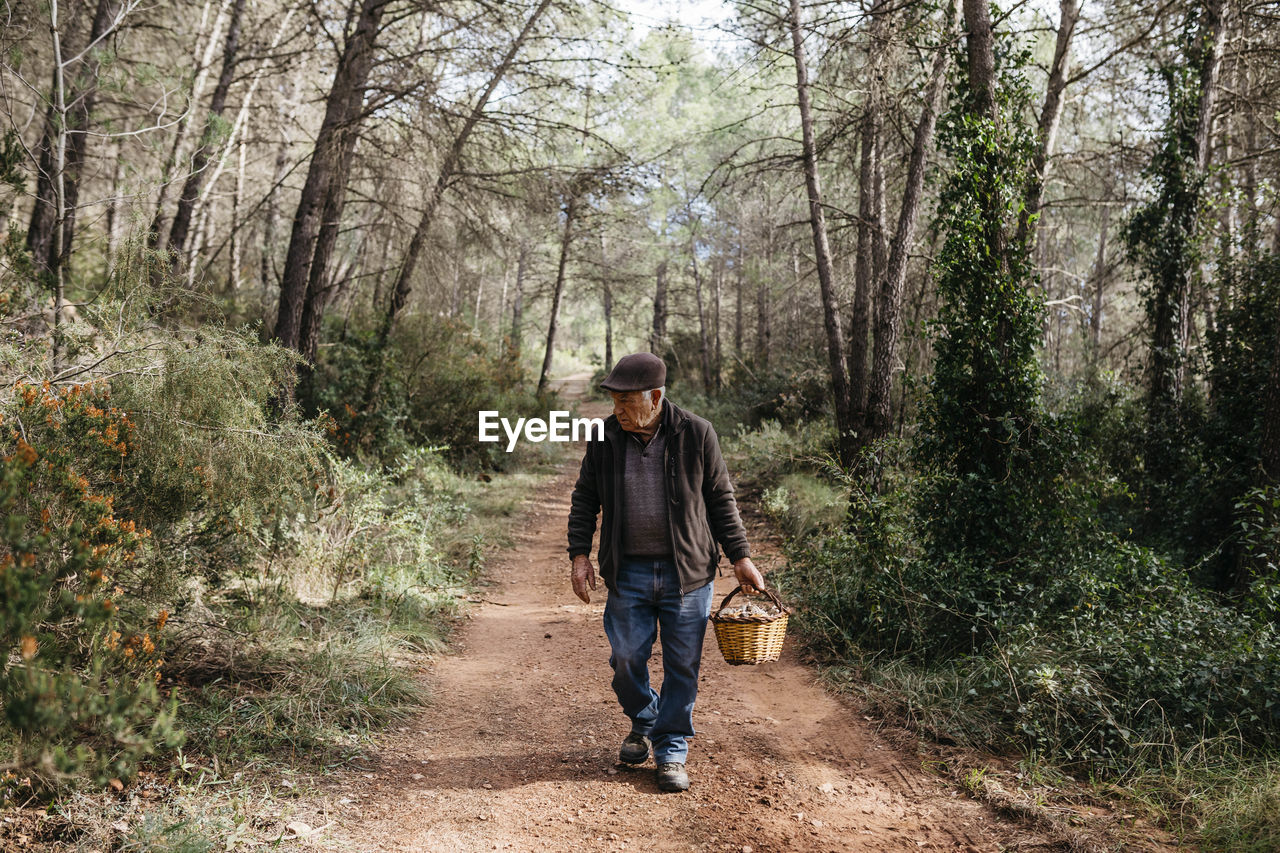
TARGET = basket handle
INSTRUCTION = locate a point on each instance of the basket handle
(782, 608)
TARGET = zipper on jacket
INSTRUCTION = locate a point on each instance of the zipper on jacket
(669, 466)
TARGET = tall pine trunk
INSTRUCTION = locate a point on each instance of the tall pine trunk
(517, 307)
(822, 251)
(181, 225)
(658, 337)
(1168, 306)
(337, 131)
(557, 294)
(65, 139)
(1099, 284)
(738, 285)
(1050, 118)
(870, 228)
(704, 344)
(764, 329)
(888, 315)
(607, 295)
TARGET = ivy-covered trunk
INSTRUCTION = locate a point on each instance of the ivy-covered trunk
(1162, 234)
(980, 446)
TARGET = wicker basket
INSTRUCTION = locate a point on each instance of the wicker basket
(750, 639)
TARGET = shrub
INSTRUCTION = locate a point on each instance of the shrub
(215, 461)
(80, 695)
(1113, 653)
(438, 376)
(794, 395)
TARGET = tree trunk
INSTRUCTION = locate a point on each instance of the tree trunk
(208, 141)
(1213, 41)
(44, 209)
(822, 250)
(237, 202)
(203, 57)
(717, 361)
(658, 338)
(271, 215)
(763, 314)
(867, 266)
(1270, 446)
(336, 131)
(502, 299)
(455, 292)
(65, 141)
(607, 293)
(1050, 118)
(319, 283)
(544, 376)
(863, 270)
(1170, 308)
(980, 51)
(889, 295)
(704, 346)
(1251, 180)
(517, 306)
(475, 315)
(1099, 284)
(113, 201)
(737, 305)
(608, 324)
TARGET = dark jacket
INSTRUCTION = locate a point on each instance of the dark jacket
(700, 503)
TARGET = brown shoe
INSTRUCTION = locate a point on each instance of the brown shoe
(671, 777)
(635, 749)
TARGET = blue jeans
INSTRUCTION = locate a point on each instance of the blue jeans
(649, 599)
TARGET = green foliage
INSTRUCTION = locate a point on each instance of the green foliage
(214, 460)
(1188, 505)
(803, 504)
(1258, 514)
(792, 394)
(1116, 651)
(80, 696)
(438, 376)
(236, 520)
(166, 833)
(762, 456)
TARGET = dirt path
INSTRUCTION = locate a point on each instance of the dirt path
(517, 750)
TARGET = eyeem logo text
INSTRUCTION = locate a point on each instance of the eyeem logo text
(558, 427)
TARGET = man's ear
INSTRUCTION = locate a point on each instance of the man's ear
(655, 396)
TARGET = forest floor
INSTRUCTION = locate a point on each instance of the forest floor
(517, 750)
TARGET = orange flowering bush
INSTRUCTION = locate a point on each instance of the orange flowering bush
(81, 688)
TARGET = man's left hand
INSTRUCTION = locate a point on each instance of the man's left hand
(748, 575)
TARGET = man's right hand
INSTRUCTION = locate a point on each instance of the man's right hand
(584, 577)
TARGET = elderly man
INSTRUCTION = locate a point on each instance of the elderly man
(668, 508)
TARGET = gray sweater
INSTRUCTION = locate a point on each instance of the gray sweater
(646, 527)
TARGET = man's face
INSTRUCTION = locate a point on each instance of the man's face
(636, 410)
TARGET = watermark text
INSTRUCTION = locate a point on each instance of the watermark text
(557, 427)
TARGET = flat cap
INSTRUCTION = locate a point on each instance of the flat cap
(638, 372)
